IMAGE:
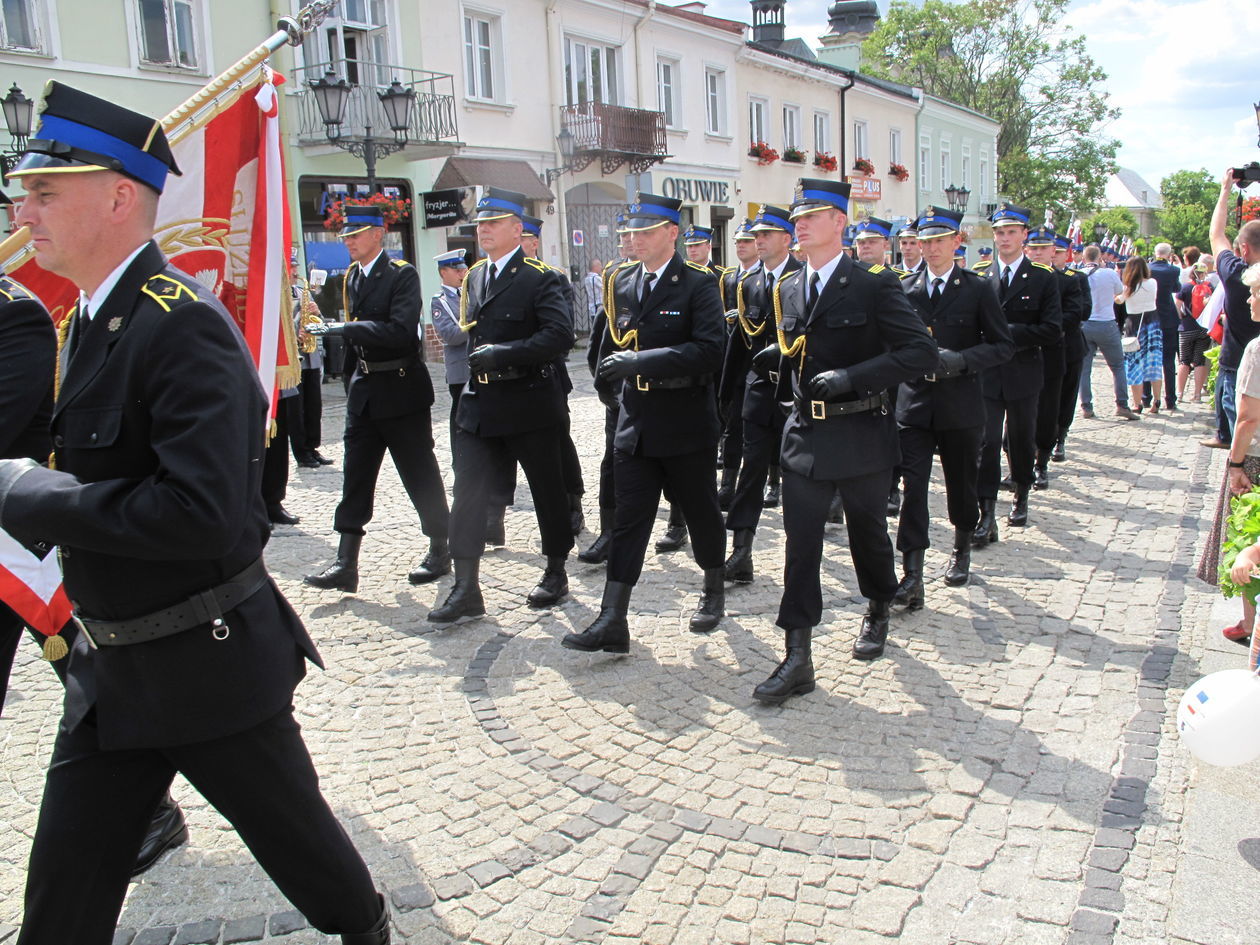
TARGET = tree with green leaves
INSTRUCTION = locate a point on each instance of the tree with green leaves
(1015, 61)
(1119, 221)
(1188, 198)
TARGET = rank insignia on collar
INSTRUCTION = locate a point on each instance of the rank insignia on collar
(957, 282)
(115, 323)
(674, 278)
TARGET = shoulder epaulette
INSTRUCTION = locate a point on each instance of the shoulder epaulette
(877, 267)
(13, 290)
(1044, 266)
(902, 273)
(699, 268)
(537, 264)
(983, 264)
(400, 263)
(168, 292)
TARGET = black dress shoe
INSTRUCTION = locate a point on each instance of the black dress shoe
(321, 458)
(1019, 507)
(909, 593)
(278, 515)
(167, 830)
(959, 572)
(795, 675)
(610, 632)
(674, 538)
(874, 633)
(464, 600)
(1059, 453)
(342, 574)
(308, 461)
(986, 531)
(712, 602)
(554, 584)
(739, 566)
(436, 563)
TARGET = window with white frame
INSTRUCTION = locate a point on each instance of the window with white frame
(925, 162)
(355, 44)
(966, 167)
(667, 91)
(894, 145)
(591, 72)
(168, 36)
(482, 56)
(946, 163)
(758, 120)
(21, 26)
(791, 126)
(822, 133)
(861, 140)
(984, 177)
(714, 101)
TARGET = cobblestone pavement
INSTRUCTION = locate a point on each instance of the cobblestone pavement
(1007, 773)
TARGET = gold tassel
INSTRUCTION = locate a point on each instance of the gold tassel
(55, 648)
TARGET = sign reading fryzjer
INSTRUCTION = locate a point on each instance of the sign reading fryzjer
(443, 208)
(865, 188)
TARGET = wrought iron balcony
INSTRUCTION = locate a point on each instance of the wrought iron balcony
(615, 135)
(432, 132)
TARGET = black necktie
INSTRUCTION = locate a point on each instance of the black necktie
(490, 274)
(647, 285)
(356, 282)
(812, 299)
(769, 283)
(1006, 280)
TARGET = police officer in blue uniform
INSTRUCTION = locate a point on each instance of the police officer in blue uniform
(444, 313)
(668, 329)
(158, 434)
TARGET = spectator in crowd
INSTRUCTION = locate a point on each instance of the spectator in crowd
(1145, 365)
(593, 289)
(1190, 257)
(1167, 278)
(1103, 334)
(1193, 340)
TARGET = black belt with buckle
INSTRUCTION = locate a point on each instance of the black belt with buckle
(507, 374)
(203, 609)
(671, 383)
(398, 364)
(821, 409)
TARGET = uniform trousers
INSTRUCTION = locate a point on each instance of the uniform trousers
(1068, 394)
(306, 414)
(607, 491)
(1048, 406)
(733, 432)
(805, 505)
(409, 440)
(479, 465)
(275, 476)
(761, 451)
(570, 467)
(1020, 417)
(98, 805)
(640, 480)
(958, 449)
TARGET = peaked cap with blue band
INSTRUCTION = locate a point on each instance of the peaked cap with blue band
(1062, 242)
(936, 221)
(621, 224)
(813, 194)
(361, 217)
(651, 211)
(773, 220)
(531, 226)
(985, 251)
(909, 230)
(1010, 215)
(696, 235)
(497, 204)
(846, 238)
(744, 231)
(873, 228)
(1040, 236)
(80, 132)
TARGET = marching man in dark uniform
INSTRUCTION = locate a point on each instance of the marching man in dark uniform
(1030, 298)
(667, 324)
(847, 335)
(911, 253)
(1074, 347)
(514, 408)
(187, 654)
(944, 410)
(387, 405)
(698, 242)
(762, 418)
(871, 240)
(731, 385)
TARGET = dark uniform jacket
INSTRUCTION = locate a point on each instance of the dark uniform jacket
(754, 329)
(381, 323)
(526, 311)
(601, 345)
(28, 357)
(1035, 316)
(967, 319)
(159, 438)
(1076, 302)
(680, 336)
(863, 323)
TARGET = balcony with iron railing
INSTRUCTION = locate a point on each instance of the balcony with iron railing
(432, 129)
(614, 135)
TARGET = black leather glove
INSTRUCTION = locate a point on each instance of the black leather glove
(487, 358)
(766, 360)
(619, 365)
(951, 363)
(830, 384)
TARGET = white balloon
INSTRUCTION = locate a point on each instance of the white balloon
(1219, 718)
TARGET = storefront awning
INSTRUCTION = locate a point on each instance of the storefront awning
(492, 172)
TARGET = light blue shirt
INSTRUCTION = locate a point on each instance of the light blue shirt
(1104, 286)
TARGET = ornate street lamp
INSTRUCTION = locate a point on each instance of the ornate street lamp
(566, 145)
(957, 197)
(19, 112)
(332, 97)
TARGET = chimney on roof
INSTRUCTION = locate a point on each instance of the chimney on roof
(768, 22)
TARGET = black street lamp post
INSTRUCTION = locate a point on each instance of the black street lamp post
(332, 96)
(958, 198)
(19, 112)
(565, 143)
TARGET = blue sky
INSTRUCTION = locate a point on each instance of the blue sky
(1183, 73)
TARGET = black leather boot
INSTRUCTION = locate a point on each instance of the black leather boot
(739, 566)
(894, 501)
(986, 531)
(436, 563)
(1041, 475)
(909, 593)
(496, 537)
(464, 600)
(167, 830)
(597, 553)
(278, 515)
(676, 534)
(726, 491)
(611, 631)
(342, 574)
(771, 500)
(1019, 507)
(835, 512)
(378, 934)
(553, 586)
(576, 519)
(874, 633)
(959, 572)
(1059, 453)
(712, 602)
(794, 676)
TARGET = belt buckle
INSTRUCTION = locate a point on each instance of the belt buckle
(83, 629)
(930, 377)
(818, 410)
(641, 383)
(483, 378)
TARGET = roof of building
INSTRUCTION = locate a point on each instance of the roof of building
(730, 26)
(1127, 188)
(786, 52)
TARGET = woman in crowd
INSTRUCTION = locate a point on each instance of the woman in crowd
(1141, 321)
(1192, 338)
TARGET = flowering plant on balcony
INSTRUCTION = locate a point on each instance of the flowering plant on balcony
(763, 153)
(825, 161)
(898, 171)
(864, 166)
(794, 154)
(393, 209)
